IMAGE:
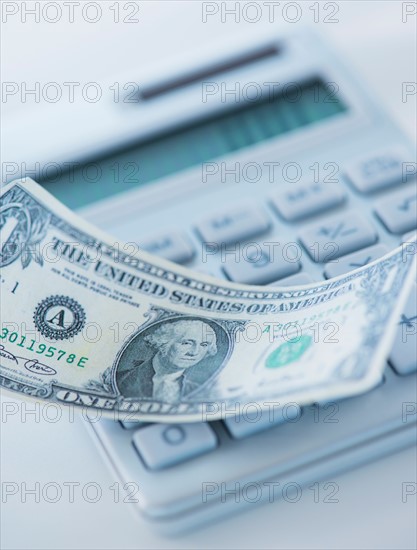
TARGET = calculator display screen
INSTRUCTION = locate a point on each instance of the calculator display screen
(244, 125)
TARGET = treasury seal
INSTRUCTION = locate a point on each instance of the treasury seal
(59, 317)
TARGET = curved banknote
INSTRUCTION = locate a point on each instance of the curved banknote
(86, 324)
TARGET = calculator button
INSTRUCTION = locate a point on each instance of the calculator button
(257, 420)
(404, 351)
(163, 445)
(307, 200)
(259, 265)
(328, 240)
(377, 171)
(171, 246)
(398, 212)
(355, 260)
(234, 226)
(295, 280)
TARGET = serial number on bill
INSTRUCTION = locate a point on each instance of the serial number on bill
(42, 349)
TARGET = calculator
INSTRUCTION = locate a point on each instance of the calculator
(268, 164)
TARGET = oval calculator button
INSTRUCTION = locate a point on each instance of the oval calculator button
(306, 200)
(163, 445)
(398, 212)
(330, 239)
(379, 170)
(234, 226)
(259, 264)
(172, 246)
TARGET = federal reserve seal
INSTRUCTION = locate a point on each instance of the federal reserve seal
(59, 317)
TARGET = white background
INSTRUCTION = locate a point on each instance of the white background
(374, 42)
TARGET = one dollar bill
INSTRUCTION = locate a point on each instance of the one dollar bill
(87, 324)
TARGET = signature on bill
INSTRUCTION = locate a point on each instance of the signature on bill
(32, 365)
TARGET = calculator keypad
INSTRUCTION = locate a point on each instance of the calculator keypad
(171, 462)
(172, 475)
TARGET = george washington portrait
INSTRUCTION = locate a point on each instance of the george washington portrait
(171, 360)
